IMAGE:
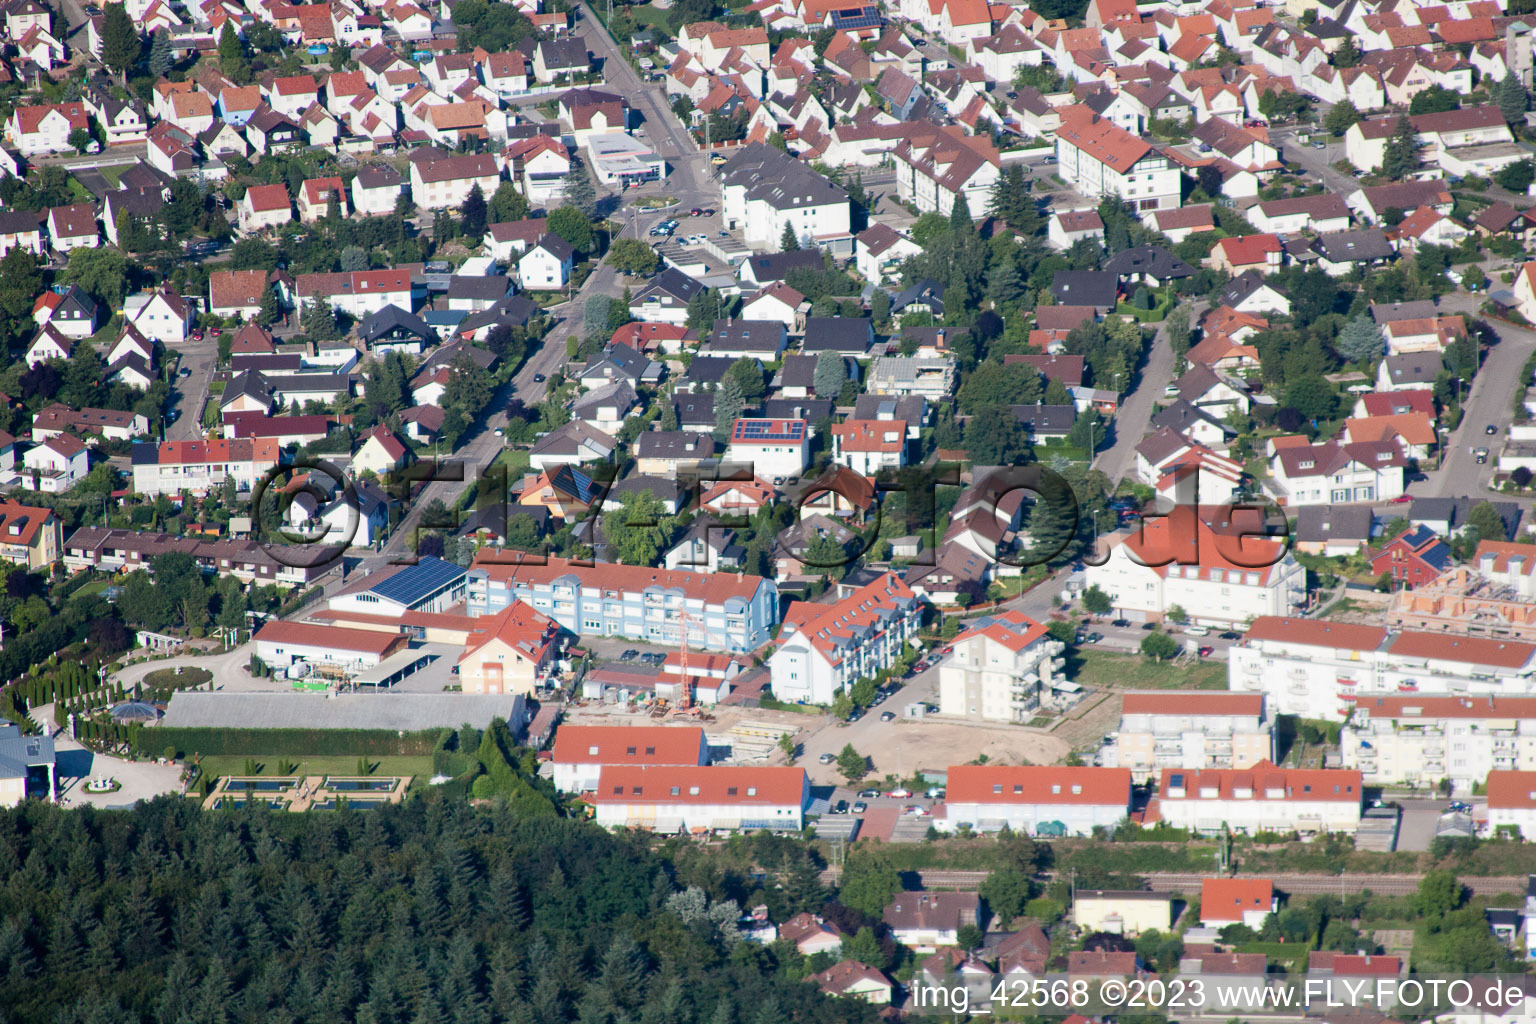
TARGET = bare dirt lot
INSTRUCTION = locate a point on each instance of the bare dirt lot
(902, 748)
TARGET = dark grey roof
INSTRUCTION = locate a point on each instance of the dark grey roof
(1152, 260)
(417, 582)
(1085, 288)
(18, 752)
(708, 369)
(513, 310)
(482, 289)
(1046, 419)
(907, 408)
(797, 372)
(761, 336)
(695, 410)
(1241, 287)
(623, 361)
(564, 53)
(774, 266)
(556, 246)
(927, 292)
(392, 319)
(838, 334)
(1413, 367)
(1320, 523)
(249, 383)
(671, 282)
(774, 177)
(1350, 246)
(1390, 312)
(809, 409)
(1181, 416)
(674, 444)
(660, 486)
(445, 356)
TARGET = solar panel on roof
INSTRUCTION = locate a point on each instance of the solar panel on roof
(415, 582)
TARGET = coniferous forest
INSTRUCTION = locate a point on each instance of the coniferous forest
(428, 912)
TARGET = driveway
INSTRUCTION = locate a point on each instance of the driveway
(139, 780)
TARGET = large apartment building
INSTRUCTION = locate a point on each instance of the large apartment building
(1417, 740)
(671, 799)
(170, 467)
(1317, 668)
(1099, 158)
(719, 611)
(1191, 730)
(1202, 561)
(1035, 799)
(998, 668)
(582, 751)
(1258, 799)
(764, 190)
(825, 648)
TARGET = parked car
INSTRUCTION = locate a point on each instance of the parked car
(860, 807)
(868, 794)
(1207, 651)
(1230, 635)
(1121, 623)
(900, 792)
(184, 372)
(1490, 429)
(695, 212)
(1094, 638)
(827, 758)
(886, 716)
(841, 808)
(538, 378)
(629, 655)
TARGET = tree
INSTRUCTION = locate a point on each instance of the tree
(1159, 646)
(507, 204)
(1512, 98)
(79, 139)
(1435, 100)
(852, 764)
(1176, 326)
(1516, 177)
(632, 256)
(868, 883)
(729, 402)
(1006, 891)
(1340, 118)
(639, 531)
(353, 259)
(864, 948)
(573, 226)
(789, 241)
(995, 437)
(103, 271)
(960, 214)
(1361, 339)
(1208, 177)
(830, 375)
(120, 43)
(232, 59)
(1401, 156)
(1348, 55)
(162, 57)
(579, 190)
(318, 321)
(1096, 601)
(1087, 431)
(267, 315)
(1473, 279)
(1485, 519)
(1440, 892)
(472, 214)
(1312, 396)
(748, 373)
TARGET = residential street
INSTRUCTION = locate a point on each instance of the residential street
(1138, 406)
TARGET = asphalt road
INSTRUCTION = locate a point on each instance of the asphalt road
(202, 359)
(1137, 407)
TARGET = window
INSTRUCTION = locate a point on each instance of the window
(618, 790)
(650, 751)
(730, 791)
(1056, 788)
(677, 790)
(693, 790)
(751, 791)
(630, 751)
(997, 787)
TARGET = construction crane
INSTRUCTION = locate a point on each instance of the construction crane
(685, 702)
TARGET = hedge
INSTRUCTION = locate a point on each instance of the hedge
(293, 742)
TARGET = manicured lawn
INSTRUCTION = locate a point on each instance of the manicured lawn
(114, 174)
(232, 764)
(1133, 672)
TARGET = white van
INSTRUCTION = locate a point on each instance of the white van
(1198, 630)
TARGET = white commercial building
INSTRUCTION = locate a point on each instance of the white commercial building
(1191, 730)
(824, 649)
(997, 669)
(1035, 799)
(689, 799)
(1258, 799)
(582, 751)
(763, 189)
(1317, 668)
(618, 158)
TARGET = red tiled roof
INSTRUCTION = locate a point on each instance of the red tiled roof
(338, 638)
(719, 785)
(714, 588)
(1038, 784)
(634, 745)
(1511, 789)
(1225, 899)
(1262, 782)
(1185, 702)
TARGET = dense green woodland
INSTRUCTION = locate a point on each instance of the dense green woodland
(429, 912)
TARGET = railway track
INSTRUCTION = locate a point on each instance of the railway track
(1297, 884)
